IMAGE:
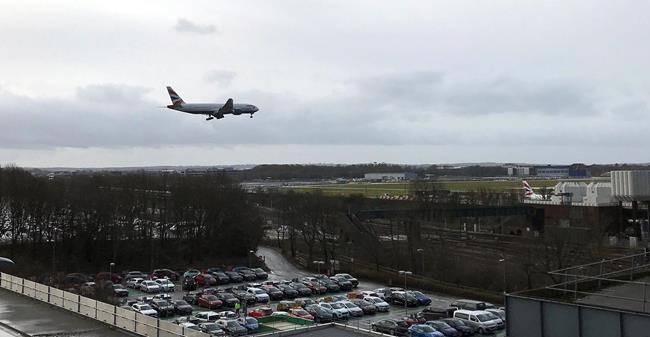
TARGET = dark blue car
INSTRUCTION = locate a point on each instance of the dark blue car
(422, 298)
(444, 328)
(423, 330)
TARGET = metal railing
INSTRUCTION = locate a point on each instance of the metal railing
(121, 318)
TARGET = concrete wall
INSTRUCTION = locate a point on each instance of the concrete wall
(106, 313)
(531, 317)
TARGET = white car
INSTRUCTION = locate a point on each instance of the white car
(381, 292)
(188, 325)
(165, 284)
(499, 313)
(144, 309)
(134, 282)
(149, 287)
(369, 293)
(354, 310)
(338, 309)
(484, 321)
(382, 306)
(212, 329)
(260, 295)
(208, 316)
(227, 314)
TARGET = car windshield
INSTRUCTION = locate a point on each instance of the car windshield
(181, 303)
(259, 291)
(117, 286)
(210, 297)
(211, 326)
(145, 307)
(485, 317)
(251, 320)
(417, 293)
(442, 325)
(259, 270)
(338, 305)
(232, 324)
(301, 312)
(349, 305)
(492, 315)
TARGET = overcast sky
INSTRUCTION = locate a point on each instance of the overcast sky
(336, 81)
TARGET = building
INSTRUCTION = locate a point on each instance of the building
(519, 171)
(402, 176)
(552, 171)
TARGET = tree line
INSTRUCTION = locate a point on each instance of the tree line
(136, 220)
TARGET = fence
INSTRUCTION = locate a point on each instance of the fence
(121, 318)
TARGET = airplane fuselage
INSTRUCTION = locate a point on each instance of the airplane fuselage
(212, 109)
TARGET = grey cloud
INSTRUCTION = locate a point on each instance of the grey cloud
(111, 93)
(221, 77)
(186, 26)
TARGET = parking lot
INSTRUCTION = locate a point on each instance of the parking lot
(282, 270)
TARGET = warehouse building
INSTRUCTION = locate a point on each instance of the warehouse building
(401, 176)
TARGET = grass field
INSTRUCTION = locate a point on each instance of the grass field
(378, 189)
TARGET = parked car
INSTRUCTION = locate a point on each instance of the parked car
(260, 273)
(232, 327)
(191, 273)
(434, 313)
(498, 312)
(260, 295)
(182, 308)
(414, 318)
(150, 287)
(244, 296)
(369, 293)
(343, 283)
(190, 325)
(460, 326)
(114, 277)
(120, 291)
(390, 326)
(188, 284)
(207, 316)
(250, 323)
(320, 314)
(330, 285)
(221, 277)
(367, 307)
(471, 305)
(402, 298)
(338, 309)
(209, 301)
(87, 289)
(423, 330)
(134, 282)
(164, 273)
(191, 297)
(301, 313)
(354, 310)
(286, 305)
(500, 323)
(304, 301)
(144, 309)
(205, 280)
(380, 304)
(227, 314)
(386, 292)
(315, 287)
(247, 274)
(482, 321)
(422, 298)
(229, 300)
(288, 291)
(302, 289)
(212, 329)
(235, 277)
(261, 312)
(163, 307)
(444, 328)
(349, 277)
(135, 274)
(165, 285)
(274, 293)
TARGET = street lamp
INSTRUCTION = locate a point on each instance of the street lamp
(505, 283)
(250, 255)
(406, 273)
(420, 251)
(110, 269)
(318, 263)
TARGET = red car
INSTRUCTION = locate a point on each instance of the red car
(164, 273)
(301, 313)
(205, 280)
(414, 319)
(316, 288)
(209, 301)
(261, 312)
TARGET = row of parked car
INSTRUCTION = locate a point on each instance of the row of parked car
(462, 318)
(220, 323)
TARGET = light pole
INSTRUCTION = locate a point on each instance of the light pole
(420, 252)
(505, 282)
(318, 263)
(250, 255)
(406, 273)
(110, 269)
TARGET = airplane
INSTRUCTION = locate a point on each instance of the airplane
(212, 110)
(529, 193)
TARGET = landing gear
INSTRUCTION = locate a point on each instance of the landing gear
(251, 115)
(209, 118)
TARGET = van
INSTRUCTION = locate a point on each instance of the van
(482, 321)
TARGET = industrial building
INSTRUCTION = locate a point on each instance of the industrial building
(401, 176)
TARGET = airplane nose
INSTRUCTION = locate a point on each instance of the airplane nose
(255, 109)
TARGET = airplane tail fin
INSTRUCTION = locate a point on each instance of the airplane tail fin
(528, 191)
(176, 100)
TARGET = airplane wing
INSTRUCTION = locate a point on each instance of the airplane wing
(227, 108)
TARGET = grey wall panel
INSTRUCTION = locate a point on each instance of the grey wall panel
(636, 325)
(524, 317)
(560, 320)
(599, 323)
